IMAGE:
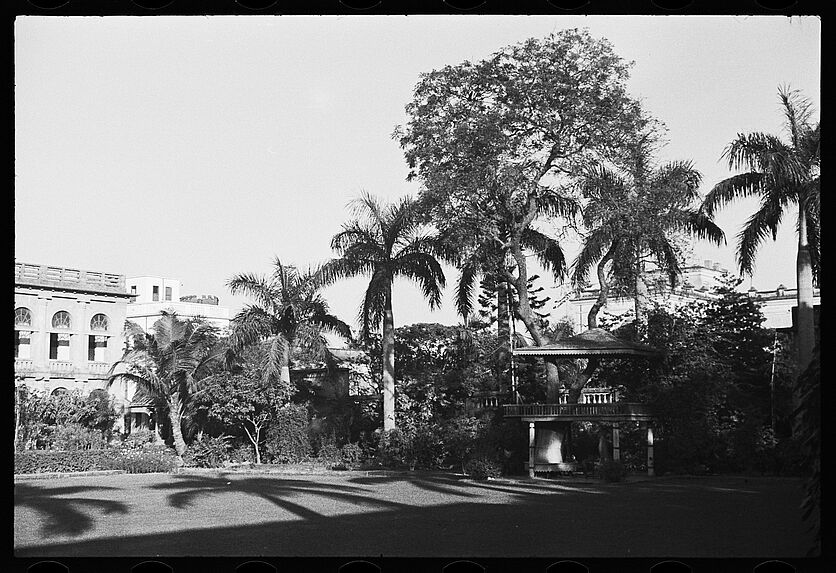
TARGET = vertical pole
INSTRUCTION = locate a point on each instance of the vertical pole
(616, 446)
(531, 447)
(650, 471)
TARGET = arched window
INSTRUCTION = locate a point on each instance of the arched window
(61, 319)
(23, 316)
(99, 322)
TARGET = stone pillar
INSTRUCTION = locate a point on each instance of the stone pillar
(40, 341)
(650, 470)
(531, 448)
(616, 447)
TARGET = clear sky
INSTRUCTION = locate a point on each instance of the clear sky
(200, 147)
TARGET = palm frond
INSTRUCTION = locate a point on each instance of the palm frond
(547, 251)
(732, 188)
(765, 221)
(464, 290)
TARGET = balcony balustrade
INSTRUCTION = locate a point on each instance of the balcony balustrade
(611, 411)
(98, 368)
(69, 278)
(61, 367)
(23, 365)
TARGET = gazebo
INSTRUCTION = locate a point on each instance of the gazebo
(549, 423)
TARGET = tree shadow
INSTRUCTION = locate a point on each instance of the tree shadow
(533, 526)
(186, 489)
(457, 485)
(64, 515)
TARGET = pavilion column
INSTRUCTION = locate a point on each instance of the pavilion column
(616, 447)
(531, 447)
(650, 471)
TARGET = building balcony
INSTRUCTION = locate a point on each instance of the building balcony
(61, 367)
(98, 368)
(69, 279)
(24, 366)
(612, 412)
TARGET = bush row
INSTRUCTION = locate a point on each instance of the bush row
(156, 459)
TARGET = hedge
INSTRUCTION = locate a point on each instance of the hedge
(131, 461)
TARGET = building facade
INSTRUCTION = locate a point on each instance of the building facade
(697, 282)
(68, 327)
(153, 295)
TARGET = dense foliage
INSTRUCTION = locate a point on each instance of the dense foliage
(70, 419)
(720, 404)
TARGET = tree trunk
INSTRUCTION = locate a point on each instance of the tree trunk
(640, 302)
(603, 291)
(17, 416)
(176, 429)
(526, 315)
(805, 327)
(503, 331)
(388, 344)
(285, 373)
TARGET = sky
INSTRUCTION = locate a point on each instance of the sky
(200, 147)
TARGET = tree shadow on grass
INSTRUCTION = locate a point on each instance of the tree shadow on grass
(457, 485)
(186, 490)
(536, 526)
(64, 515)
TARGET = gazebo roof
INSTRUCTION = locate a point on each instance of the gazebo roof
(592, 342)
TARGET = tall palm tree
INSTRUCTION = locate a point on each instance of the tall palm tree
(168, 364)
(384, 242)
(633, 215)
(781, 174)
(289, 311)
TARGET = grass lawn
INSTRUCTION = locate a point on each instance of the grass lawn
(432, 515)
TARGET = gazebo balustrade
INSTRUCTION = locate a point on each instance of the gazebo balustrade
(601, 405)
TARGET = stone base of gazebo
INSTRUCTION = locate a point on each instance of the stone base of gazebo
(561, 467)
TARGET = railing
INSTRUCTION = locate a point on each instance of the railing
(592, 396)
(576, 410)
(98, 367)
(71, 278)
(61, 366)
(24, 365)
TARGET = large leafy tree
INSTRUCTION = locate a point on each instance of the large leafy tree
(635, 211)
(239, 398)
(384, 242)
(288, 311)
(494, 143)
(781, 174)
(168, 364)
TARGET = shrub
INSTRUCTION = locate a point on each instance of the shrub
(133, 461)
(207, 452)
(147, 460)
(393, 449)
(350, 455)
(612, 470)
(482, 468)
(139, 439)
(242, 453)
(287, 439)
(77, 437)
(328, 450)
(428, 448)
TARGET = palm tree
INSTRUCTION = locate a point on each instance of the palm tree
(168, 364)
(780, 174)
(384, 242)
(634, 215)
(289, 312)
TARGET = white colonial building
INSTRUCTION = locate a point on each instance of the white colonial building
(153, 295)
(696, 283)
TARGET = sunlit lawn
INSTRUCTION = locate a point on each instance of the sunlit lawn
(405, 515)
